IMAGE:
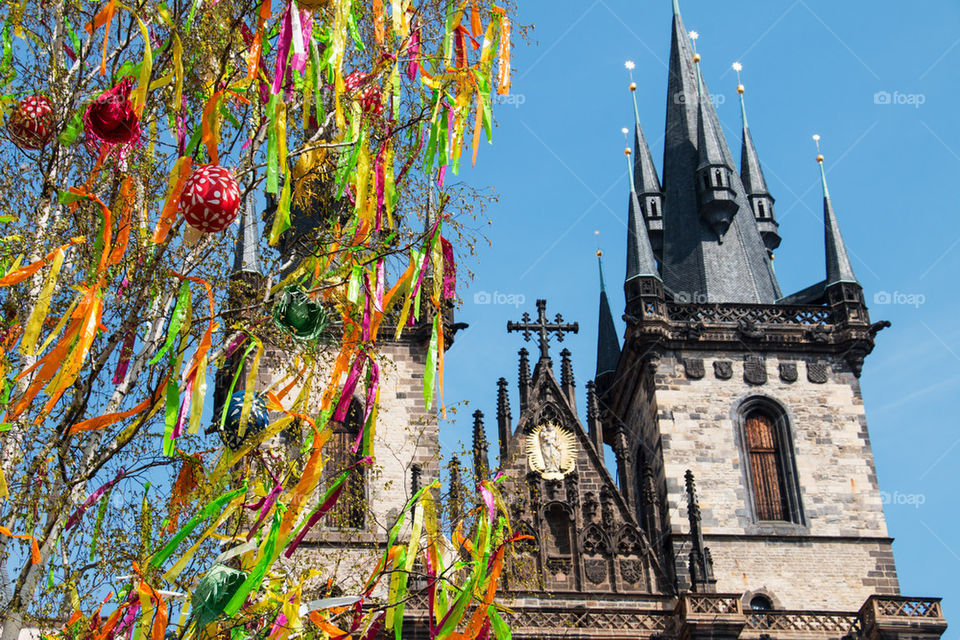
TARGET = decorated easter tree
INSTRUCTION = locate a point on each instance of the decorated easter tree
(137, 137)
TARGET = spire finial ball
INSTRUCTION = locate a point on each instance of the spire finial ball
(696, 57)
(740, 89)
(599, 253)
(819, 157)
(633, 86)
(626, 151)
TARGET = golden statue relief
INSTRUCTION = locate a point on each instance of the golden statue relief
(551, 451)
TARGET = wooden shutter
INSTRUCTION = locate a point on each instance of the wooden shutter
(765, 468)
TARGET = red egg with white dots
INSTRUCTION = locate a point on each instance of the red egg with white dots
(210, 199)
(31, 123)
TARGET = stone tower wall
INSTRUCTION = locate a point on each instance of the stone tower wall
(839, 553)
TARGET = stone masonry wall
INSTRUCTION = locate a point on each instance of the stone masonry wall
(406, 433)
(839, 552)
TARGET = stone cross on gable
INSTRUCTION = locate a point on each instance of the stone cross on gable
(543, 328)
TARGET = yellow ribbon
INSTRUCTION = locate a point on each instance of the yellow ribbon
(28, 344)
(146, 68)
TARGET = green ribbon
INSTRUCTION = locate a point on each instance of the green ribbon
(270, 552)
(273, 152)
(170, 418)
(348, 162)
(233, 384)
(98, 524)
(429, 371)
(214, 507)
(176, 320)
(501, 630)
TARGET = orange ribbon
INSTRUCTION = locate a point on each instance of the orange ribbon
(34, 547)
(21, 274)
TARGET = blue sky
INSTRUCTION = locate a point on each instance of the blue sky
(810, 66)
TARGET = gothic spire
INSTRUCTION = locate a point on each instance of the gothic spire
(608, 344)
(839, 268)
(481, 461)
(751, 175)
(645, 177)
(457, 493)
(709, 137)
(504, 426)
(523, 377)
(641, 260)
(712, 248)
(246, 254)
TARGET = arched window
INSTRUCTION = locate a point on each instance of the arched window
(351, 509)
(771, 471)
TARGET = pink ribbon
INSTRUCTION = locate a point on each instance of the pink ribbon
(268, 503)
(96, 495)
(283, 48)
(449, 270)
(349, 387)
(370, 401)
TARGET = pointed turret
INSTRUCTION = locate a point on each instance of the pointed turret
(245, 288)
(504, 425)
(645, 180)
(754, 183)
(642, 288)
(608, 344)
(715, 192)
(844, 294)
(839, 268)
(457, 493)
(481, 460)
(246, 252)
(696, 266)
(566, 378)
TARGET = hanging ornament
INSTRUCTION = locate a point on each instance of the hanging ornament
(365, 88)
(210, 199)
(296, 314)
(31, 123)
(256, 423)
(111, 119)
(213, 592)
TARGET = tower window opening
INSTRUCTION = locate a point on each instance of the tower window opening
(719, 176)
(761, 209)
(761, 603)
(350, 510)
(653, 209)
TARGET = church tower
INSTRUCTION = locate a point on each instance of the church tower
(753, 395)
(745, 501)
(352, 535)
